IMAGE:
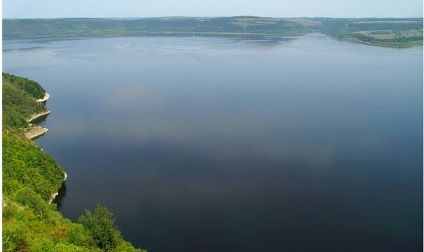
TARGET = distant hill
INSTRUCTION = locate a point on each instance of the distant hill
(404, 32)
(388, 32)
(25, 28)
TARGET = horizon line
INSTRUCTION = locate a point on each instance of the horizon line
(134, 17)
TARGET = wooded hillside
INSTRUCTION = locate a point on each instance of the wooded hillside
(31, 176)
(389, 32)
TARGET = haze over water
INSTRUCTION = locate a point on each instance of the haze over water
(231, 144)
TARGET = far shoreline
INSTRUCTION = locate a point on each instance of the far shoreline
(381, 32)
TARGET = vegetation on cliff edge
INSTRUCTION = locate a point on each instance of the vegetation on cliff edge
(30, 177)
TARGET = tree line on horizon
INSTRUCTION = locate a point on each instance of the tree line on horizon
(363, 30)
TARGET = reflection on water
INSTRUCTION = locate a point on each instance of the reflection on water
(221, 144)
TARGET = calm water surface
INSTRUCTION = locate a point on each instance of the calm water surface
(221, 144)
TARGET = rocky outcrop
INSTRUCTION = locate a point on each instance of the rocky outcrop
(38, 116)
(44, 99)
(35, 131)
(65, 176)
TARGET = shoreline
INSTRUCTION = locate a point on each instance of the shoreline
(34, 132)
(45, 98)
(37, 116)
(54, 195)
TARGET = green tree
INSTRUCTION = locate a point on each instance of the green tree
(101, 228)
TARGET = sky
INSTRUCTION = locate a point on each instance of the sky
(211, 8)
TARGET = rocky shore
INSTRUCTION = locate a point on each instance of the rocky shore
(37, 116)
(45, 98)
(65, 176)
(35, 132)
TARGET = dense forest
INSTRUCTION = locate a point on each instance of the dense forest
(31, 176)
(389, 32)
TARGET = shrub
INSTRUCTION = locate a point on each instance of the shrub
(101, 228)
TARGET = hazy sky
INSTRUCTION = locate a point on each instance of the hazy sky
(159, 8)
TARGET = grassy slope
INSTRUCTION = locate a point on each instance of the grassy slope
(30, 177)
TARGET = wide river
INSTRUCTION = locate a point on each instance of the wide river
(236, 144)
